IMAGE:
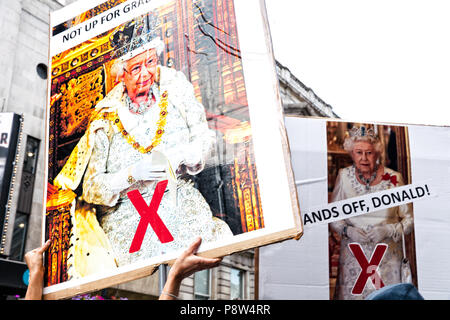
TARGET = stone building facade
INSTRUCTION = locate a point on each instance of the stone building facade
(24, 34)
(24, 38)
(298, 99)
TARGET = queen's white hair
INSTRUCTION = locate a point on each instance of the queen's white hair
(117, 68)
(349, 143)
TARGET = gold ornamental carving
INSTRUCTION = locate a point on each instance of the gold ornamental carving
(79, 97)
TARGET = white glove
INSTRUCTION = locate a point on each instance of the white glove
(379, 233)
(144, 170)
(187, 160)
(357, 234)
(192, 158)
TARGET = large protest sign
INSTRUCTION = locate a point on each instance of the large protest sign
(372, 194)
(163, 125)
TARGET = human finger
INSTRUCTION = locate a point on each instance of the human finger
(44, 247)
(209, 261)
(205, 263)
(193, 247)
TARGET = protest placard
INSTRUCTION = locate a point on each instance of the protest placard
(163, 124)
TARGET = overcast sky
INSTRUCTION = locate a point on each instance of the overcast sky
(383, 60)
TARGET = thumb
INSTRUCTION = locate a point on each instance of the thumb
(192, 249)
(44, 247)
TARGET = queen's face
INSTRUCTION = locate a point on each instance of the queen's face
(139, 75)
(364, 157)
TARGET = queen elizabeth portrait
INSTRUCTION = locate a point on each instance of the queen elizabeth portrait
(367, 175)
(149, 127)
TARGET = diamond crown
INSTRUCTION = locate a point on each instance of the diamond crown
(361, 132)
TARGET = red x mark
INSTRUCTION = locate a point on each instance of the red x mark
(149, 215)
(368, 269)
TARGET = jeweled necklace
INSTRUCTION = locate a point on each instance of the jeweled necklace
(365, 181)
(160, 124)
(142, 107)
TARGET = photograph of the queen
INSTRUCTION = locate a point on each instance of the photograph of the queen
(148, 128)
(358, 156)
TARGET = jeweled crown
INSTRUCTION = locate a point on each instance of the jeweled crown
(362, 131)
(135, 34)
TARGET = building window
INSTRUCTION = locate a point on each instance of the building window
(42, 71)
(25, 203)
(19, 236)
(31, 155)
(202, 285)
(236, 284)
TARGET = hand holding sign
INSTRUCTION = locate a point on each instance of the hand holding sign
(186, 264)
(34, 259)
(35, 262)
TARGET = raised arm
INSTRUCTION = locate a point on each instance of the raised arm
(186, 264)
(35, 262)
